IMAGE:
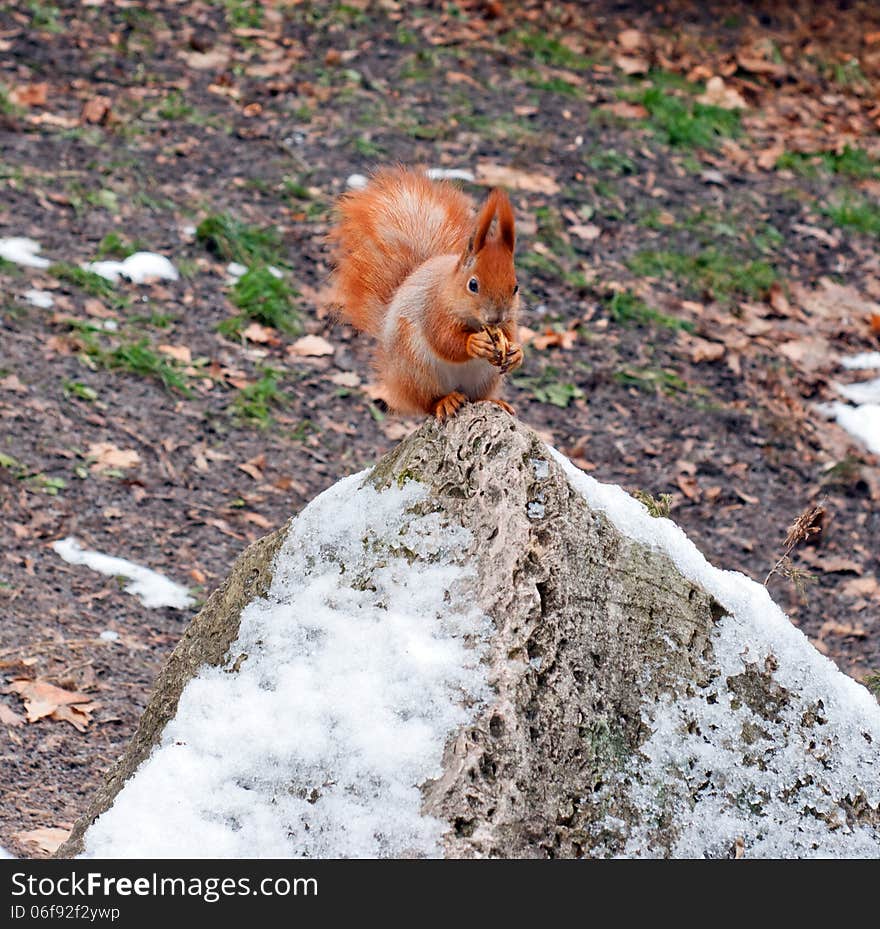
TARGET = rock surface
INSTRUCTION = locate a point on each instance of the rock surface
(629, 711)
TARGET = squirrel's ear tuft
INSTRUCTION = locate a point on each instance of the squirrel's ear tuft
(484, 220)
(467, 256)
(506, 230)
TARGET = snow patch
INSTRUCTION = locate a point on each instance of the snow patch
(450, 174)
(5, 854)
(39, 298)
(23, 251)
(154, 589)
(357, 181)
(864, 360)
(861, 422)
(349, 677)
(864, 392)
(138, 268)
(697, 736)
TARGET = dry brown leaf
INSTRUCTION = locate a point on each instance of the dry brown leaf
(749, 61)
(861, 587)
(550, 338)
(830, 627)
(258, 519)
(525, 335)
(11, 382)
(96, 110)
(632, 64)
(701, 350)
(395, 429)
(215, 59)
(493, 175)
(632, 39)
(778, 300)
(179, 353)
(626, 110)
(10, 717)
(107, 455)
(42, 699)
(254, 467)
(588, 232)
(768, 157)
(311, 346)
(345, 379)
(720, 94)
(30, 94)
(46, 838)
(809, 354)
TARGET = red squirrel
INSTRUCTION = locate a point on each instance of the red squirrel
(433, 285)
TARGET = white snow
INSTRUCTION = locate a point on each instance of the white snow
(236, 270)
(699, 734)
(109, 635)
(351, 678)
(23, 251)
(137, 268)
(864, 360)
(863, 392)
(39, 298)
(5, 854)
(861, 422)
(357, 181)
(450, 174)
(154, 589)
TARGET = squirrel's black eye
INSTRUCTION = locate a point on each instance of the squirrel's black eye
(473, 286)
(516, 288)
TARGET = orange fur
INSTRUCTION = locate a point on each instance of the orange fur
(406, 250)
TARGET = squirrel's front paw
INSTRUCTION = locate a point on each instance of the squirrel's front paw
(513, 359)
(481, 345)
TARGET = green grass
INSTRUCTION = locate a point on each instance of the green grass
(859, 214)
(651, 380)
(241, 14)
(114, 245)
(174, 107)
(549, 387)
(626, 308)
(549, 51)
(854, 163)
(233, 240)
(683, 123)
(255, 402)
(553, 84)
(93, 284)
(263, 297)
(611, 162)
(80, 391)
(139, 358)
(719, 274)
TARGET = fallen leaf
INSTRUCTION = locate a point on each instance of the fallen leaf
(96, 110)
(830, 627)
(107, 455)
(700, 350)
(311, 346)
(258, 519)
(346, 379)
(47, 838)
(632, 39)
(550, 338)
(254, 467)
(588, 231)
(214, 60)
(179, 353)
(493, 175)
(11, 382)
(10, 717)
(29, 94)
(632, 64)
(758, 65)
(720, 94)
(860, 587)
(810, 353)
(778, 300)
(768, 157)
(42, 699)
(626, 110)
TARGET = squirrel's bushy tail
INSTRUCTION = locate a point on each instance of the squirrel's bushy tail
(386, 230)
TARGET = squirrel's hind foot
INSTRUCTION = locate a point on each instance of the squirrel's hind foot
(503, 404)
(446, 407)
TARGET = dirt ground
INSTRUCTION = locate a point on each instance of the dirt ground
(697, 189)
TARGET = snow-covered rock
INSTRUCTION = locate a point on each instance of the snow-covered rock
(476, 650)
